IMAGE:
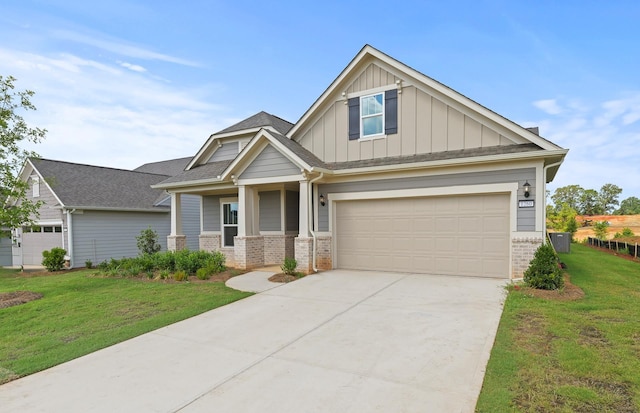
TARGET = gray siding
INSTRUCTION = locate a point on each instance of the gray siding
(211, 211)
(102, 235)
(47, 210)
(525, 218)
(191, 220)
(292, 212)
(228, 151)
(5, 250)
(270, 217)
(270, 163)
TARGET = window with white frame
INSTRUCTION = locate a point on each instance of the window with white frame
(372, 115)
(35, 185)
(229, 222)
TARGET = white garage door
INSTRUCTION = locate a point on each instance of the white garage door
(456, 235)
(33, 243)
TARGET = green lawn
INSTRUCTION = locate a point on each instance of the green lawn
(79, 314)
(570, 356)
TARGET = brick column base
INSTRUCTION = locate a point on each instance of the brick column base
(522, 251)
(249, 252)
(176, 242)
(304, 254)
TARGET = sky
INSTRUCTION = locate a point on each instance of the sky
(121, 83)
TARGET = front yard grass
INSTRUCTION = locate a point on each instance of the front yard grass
(570, 356)
(80, 313)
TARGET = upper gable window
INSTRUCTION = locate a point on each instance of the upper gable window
(35, 185)
(374, 115)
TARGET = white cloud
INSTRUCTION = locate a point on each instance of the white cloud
(130, 66)
(549, 106)
(103, 114)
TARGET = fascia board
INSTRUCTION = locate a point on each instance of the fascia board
(452, 162)
(22, 177)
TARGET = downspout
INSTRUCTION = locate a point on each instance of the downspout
(70, 236)
(544, 190)
(311, 221)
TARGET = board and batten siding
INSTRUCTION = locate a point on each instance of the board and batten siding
(270, 212)
(425, 125)
(102, 235)
(270, 163)
(526, 220)
(227, 151)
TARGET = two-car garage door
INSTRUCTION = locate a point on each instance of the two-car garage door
(456, 235)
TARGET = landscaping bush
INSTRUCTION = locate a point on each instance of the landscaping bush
(53, 260)
(164, 261)
(88, 264)
(544, 271)
(289, 266)
(180, 276)
(203, 274)
(148, 242)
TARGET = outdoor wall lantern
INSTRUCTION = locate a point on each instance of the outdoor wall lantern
(322, 202)
(527, 188)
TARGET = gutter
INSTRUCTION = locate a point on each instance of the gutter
(311, 221)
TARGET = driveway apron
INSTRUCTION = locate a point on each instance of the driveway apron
(338, 341)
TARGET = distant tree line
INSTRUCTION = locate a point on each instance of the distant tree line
(573, 200)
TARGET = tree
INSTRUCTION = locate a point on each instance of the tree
(569, 195)
(563, 220)
(600, 230)
(608, 197)
(589, 204)
(13, 132)
(629, 206)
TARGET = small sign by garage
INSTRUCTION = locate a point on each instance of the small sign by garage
(526, 203)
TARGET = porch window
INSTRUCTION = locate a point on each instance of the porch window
(229, 223)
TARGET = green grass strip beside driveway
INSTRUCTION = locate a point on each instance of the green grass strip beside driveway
(567, 356)
(79, 314)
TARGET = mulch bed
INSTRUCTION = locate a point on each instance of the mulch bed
(570, 292)
(17, 298)
(282, 278)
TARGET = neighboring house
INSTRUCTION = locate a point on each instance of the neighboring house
(95, 213)
(387, 170)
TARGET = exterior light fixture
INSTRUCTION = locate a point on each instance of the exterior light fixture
(322, 201)
(527, 188)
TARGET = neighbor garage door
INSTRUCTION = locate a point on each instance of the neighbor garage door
(33, 243)
(455, 235)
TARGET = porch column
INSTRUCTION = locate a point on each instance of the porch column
(303, 244)
(248, 244)
(176, 240)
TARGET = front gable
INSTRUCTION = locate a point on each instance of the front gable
(270, 163)
(428, 117)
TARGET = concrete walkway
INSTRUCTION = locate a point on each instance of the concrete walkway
(254, 282)
(339, 341)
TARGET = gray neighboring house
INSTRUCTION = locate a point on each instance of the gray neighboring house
(387, 170)
(95, 213)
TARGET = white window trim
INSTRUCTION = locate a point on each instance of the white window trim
(362, 117)
(224, 201)
(35, 186)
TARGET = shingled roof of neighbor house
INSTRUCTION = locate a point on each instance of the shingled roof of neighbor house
(87, 186)
(260, 119)
(169, 167)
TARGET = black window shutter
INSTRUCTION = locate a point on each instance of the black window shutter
(391, 111)
(354, 119)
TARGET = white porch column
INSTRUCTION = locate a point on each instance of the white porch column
(176, 214)
(303, 214)
(242, 211)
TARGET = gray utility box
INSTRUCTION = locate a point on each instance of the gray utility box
(561, 241)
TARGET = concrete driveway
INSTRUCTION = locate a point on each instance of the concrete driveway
(338, 341)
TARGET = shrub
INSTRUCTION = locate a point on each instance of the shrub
(164, 260)
(180, 276)
(164, 274)
(53, 260)
(600, 229)
(203, 274)
(148, 242)
(216, 262)
(289, 266)
(88, 264)
(626, 232)
(544, 271)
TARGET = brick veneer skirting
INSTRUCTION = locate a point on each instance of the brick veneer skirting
(212, 242)
(522, 251)
(277, 247)
(304, 252)
(323, 253)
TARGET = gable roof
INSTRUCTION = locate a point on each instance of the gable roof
(259, 120)
(97, 187)
(200, 174)
(169, 167)
(369, 54)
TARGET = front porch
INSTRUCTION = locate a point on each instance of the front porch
(257, 225)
